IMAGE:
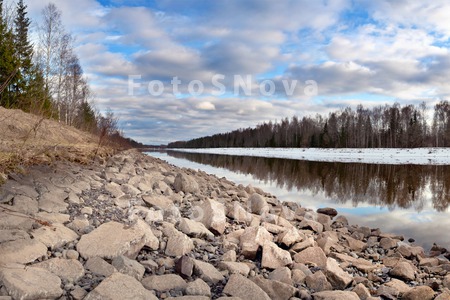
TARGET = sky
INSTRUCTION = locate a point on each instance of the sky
(180, 69)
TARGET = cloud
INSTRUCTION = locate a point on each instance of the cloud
(206, 105)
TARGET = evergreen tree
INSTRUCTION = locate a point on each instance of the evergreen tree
(8, 63)
(23, 49)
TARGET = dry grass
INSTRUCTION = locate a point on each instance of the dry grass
(28, 139)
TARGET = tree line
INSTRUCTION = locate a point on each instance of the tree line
(46, 77)
(388, 126)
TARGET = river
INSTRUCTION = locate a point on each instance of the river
(411, 200)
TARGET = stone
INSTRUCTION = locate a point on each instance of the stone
(290, 237)
(79, 225)
(55, 236)
(198, 288)
(53, 202)
(113, 239)
(274, 257)
(164, 283)
(276, 290)
(354, 244)
(193, 228)
(25, 205)
(184, 266)
(16, 221)
(114, 189)
(71, 254)
(207, 272)
(398, 285)
(189, 298)
(419, 293)
(315, 226)
(70, 270)
(99, 266)
(129, 267)
(403, 270)
(335, 295)
(230, 255)
(446, 281)
(240, 286)
(23, 282)
(362, 291)
(53, 217)
(120, 286)
(312, 255)
(388, 243)
(158, 201)
(21, 251)
(318, 282)
(298, 276)
(234, 267)
(185, 183)
(338, 278)
(178, 244)
(283, 274)
(213, 215)
(252, 239)
(239, 214)
(78, 293)
(258, 205)
(328, 211)
(87, 210)
(8, 235)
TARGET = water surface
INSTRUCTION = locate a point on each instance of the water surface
(411, 200)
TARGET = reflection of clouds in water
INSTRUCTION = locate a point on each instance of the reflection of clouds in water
(425, 226)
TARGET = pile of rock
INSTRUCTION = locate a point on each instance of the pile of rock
(136, 227)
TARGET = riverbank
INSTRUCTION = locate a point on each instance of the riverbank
(135, 227)
(392, 156)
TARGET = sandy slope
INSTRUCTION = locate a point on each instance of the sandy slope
(27, 138)
(420, 156)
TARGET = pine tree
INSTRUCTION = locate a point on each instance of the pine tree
(8, 64)
(23, 49)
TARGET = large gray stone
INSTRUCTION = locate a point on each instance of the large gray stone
(276, 290)
(314, 255)
(21, 251)
(178, 244)
(185, 183)
(419, 293)
(25, 205)
(67, 269)
(53, 202)
(23, 282)
(213, 215)
(207, 272)
(240, 286)
(120, 286)
(335, 295)
(11, 221)
(113, 239)
(7, 235)
(194, 228)
(163, 283)
(198, 288)
(99, 266)
(258, 205)
(252, 239)
(338, 278)
(274, 257)
(235, 267)
(55, 236)
(403, 270)
(129, 267)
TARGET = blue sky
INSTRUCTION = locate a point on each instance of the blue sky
(369, 52)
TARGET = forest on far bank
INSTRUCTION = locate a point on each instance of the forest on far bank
(388, 126)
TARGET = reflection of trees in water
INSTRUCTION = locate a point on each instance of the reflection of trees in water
(381, 185)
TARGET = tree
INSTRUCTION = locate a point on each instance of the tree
(50, 33)
(8, 63)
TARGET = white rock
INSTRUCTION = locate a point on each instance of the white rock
(252, 239)
(55, 236)
(213, 215)
(274, 257)
(21, 251)
(67, 269)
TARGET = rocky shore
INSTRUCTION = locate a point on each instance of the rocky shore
(134, 227)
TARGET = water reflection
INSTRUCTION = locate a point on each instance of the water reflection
(391, 186)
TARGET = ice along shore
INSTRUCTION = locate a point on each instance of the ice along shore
(135, 227)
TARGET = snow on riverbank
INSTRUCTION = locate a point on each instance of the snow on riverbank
(396, 156)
